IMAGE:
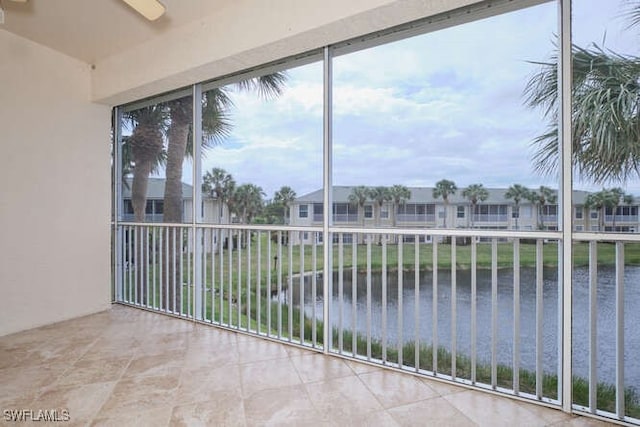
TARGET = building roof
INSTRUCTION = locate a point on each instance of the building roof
(155, 189)
(425, 195)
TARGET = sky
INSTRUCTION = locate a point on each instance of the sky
(443, 105)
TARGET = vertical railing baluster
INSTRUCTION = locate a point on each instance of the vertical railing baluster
(130, 257)
(474, 306)
(302, 275)
(620, 392)
(138, 264)
(248, 280)
(230, 278)
(279, 267)
(454, 297)
(188, 264)
(539, 316)
(494, 312)
(340, 292)
(314, 290)
(239, 282)
(516, 316)
(221, 236)
(354, 298)
(416, 308)
(171, 266)
(369, 239)
(593, 325)
(400, 302)
(269, 276)
(384, 301)
(147, 275)
(259, 284)
(434, 314)
(290, 288)
(154, 243)
(212, 244)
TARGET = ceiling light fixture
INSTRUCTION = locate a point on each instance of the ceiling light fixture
(150, 9)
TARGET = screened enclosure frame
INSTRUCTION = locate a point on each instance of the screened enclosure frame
(564, 237)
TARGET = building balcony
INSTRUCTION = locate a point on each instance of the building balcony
(127, 366)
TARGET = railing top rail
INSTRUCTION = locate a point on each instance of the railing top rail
(603, 236)
(457, 232)
(256, 227)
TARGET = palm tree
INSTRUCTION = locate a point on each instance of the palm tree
(598, 201)
(215, 126)
(143, 149)
(358, 197)
(399, 195)
(444, 188)
(475, 193)
(219, 184)
(284, 197)
(617, 196)
(605, 112)
(379, 195)
(540, 198)
(517, 192)
(248, 202)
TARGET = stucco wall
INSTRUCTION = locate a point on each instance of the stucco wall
(54, 188)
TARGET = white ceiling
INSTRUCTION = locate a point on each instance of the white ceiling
(91, 30)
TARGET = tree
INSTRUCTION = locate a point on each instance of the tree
(443, 189)
(616, 197)
(598, 201)
(399, 195)
(517, 192)
(539, 199)
(144, 148)
(475, 193)
(220, 185)
(605, 112)
(358, 197)
(248, 202)
(284, 197)
(379, 195)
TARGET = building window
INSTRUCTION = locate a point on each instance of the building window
(368, 211)
(384, 212)
(579, 213)
(594, 214)
(515, 212)
(460, 213)
(128, 207)
(303, 211)
(579, 227)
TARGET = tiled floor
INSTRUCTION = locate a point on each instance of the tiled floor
(130, 367)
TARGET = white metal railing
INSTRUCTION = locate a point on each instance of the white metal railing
(434, 302)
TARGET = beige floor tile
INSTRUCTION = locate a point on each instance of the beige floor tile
(579, 421)
(361, 368)
(157, 417)
(225, 411)
(87, 371)
(156, 364)
(208, 383)
(268, 374)
(140, 393)
(342, 398)
(396, 389)
(82, 402)
(255, 350)
(443, 388)
(488, 410)
(431, 412)
(282, 406)
(318, 367)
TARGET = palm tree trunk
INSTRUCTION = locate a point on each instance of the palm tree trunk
(139, 202)
(177, 136)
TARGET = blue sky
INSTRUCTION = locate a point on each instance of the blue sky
(447, 104)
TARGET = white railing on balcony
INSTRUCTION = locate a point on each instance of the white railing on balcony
(416, 217)
(490, 217)
(433, 302)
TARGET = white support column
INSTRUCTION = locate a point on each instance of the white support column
(196, 210)
(565, 202)
(118, 235)
(327, 195)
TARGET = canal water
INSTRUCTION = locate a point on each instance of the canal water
(344, 308)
